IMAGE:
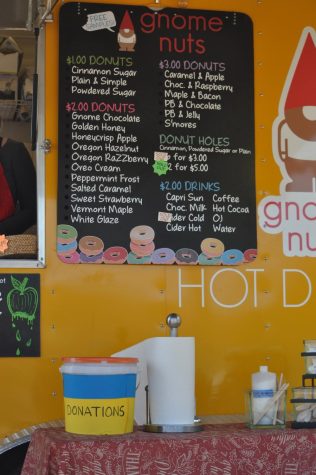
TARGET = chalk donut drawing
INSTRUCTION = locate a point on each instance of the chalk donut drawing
(250, 255)
(96, 259)
(133, 259)
(66, 233)
(186, 256)
(67, 244)
(212, 247)
(163, 255)
(115, 255)
(232, 257)
(70, 259)
(67, 249)
(142, 234)
(209, 261)
(90, 250)
(142, 250)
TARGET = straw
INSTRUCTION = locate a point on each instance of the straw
(308, 410)
(278, 402)
(272, 401)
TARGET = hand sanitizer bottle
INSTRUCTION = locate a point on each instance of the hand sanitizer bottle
(263, 387)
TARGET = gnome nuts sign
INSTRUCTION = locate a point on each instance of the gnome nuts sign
(294, 148)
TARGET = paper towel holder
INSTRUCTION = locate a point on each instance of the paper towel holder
(173, 321)
(149, 427)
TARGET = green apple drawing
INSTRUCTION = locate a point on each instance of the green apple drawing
(22, 302)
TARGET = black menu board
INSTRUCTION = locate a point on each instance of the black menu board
(19, 315)
(156, 136)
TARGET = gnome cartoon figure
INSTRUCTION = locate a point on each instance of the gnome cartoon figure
(126, 36)
(295, 129)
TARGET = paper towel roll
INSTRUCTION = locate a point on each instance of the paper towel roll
(171, 380)
(138, 351)
(168, 367)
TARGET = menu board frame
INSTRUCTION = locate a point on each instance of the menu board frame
(156, 136)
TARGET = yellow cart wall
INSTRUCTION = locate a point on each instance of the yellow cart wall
(249, 315)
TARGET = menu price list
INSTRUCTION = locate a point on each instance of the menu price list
(156, 161)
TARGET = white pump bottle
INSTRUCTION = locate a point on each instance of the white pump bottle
(263, 385)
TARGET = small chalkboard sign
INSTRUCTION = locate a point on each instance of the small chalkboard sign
(156, 136)
(19, 315)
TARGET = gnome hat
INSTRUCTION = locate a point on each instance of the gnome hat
(126, 23)
(302, 90)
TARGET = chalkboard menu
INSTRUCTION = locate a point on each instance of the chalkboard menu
(19, 315)
(156, 136)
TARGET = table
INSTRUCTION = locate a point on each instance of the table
(223, 449)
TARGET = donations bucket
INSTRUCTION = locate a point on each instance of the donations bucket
(99, 395)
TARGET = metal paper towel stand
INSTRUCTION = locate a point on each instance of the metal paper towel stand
(173, 321)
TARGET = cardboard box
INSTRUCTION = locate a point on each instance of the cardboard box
(9, 63)
(10, 56)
